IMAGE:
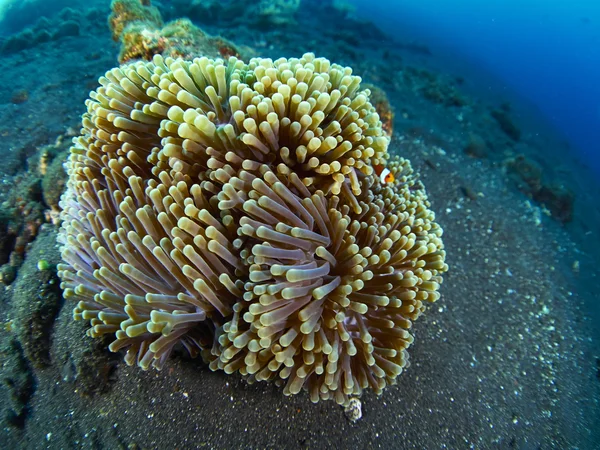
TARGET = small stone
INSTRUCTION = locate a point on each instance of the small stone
(353, 411)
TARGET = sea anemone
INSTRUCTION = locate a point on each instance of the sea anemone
(331, 291)
(233, 208)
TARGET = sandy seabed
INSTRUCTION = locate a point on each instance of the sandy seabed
(507, 358)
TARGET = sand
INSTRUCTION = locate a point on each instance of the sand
(507, 358)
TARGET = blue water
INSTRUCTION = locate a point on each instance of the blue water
(547, 51)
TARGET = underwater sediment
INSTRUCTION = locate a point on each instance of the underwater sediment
(505, 358)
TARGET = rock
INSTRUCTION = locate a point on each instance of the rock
(558, 199)
(19, 381)
(67, 28)
(36, 301)
(506, 124)
(476, 146)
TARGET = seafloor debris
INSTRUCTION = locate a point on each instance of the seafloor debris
(273, 12)
(530, 179)
(32, 201)
(353, 410)
(476, 146)
(435, 88)
(54, 180)
(21, 216)
(20, 96)
(502, 116)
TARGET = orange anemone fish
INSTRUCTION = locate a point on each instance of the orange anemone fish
(384, 174)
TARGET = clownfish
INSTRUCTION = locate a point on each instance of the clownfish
(384, 174)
